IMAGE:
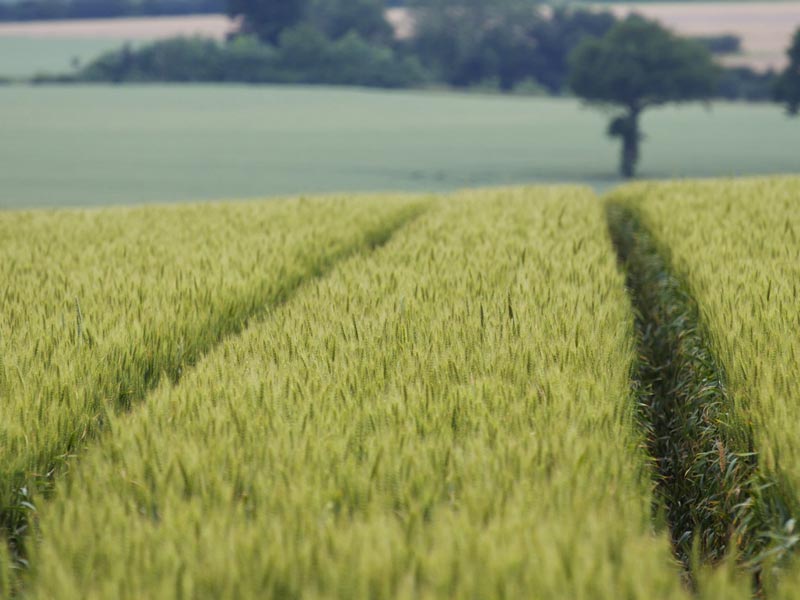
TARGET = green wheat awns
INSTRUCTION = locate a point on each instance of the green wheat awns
(447, 417)
(394, 397)
(737, 245)
(97, 306)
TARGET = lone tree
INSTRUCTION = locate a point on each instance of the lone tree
(268, 18)
(636, 65)
(787, 88)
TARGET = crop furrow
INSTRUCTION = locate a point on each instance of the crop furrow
(448, 417)
(714, 498)
(121, 377)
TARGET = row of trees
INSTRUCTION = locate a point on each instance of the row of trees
(502, 44)
(485, 43)
(268, 19)
(462, 44)
(507, 40)
(303, 55)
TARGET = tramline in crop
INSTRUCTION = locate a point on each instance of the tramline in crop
(736, 244)
(98, 305)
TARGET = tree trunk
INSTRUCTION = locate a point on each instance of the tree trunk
(630, 144)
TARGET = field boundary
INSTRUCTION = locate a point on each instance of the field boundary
(18, 521)
(709, 489)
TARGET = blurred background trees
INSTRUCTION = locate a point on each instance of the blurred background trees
(487, 44)
(337, 18)
(518, 46)
(787, 88)
(268, 18)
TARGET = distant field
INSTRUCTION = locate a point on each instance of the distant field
(216, 26)
(54, 46)
(22, 56)
(109, 145)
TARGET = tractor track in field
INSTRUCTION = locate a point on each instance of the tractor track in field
(708, 486)
(17, 522)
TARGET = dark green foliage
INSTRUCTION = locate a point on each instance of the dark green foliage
(743, 83)
(247, 60)
(787, 88)
(468, 41)
(303, 55)
(268, 18)
(720, 44)
(178, 59)
(337, 18)
(557, 37)
(509, 41)
(639, 64)
(307, 56)
(636, 65)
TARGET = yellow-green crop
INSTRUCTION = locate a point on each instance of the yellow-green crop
(98, 305)
(736, 244)
(448, 417)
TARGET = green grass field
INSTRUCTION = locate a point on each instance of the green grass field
(85, 146)
(26, 56)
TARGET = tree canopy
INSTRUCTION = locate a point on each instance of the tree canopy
(787, 88)
(636, 65)
(268, 18)
(465, 41)
(335, 18)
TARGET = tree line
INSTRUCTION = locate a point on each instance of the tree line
(499, 44)
(488, 44)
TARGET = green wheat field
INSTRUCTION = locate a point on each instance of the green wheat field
(402, 395)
